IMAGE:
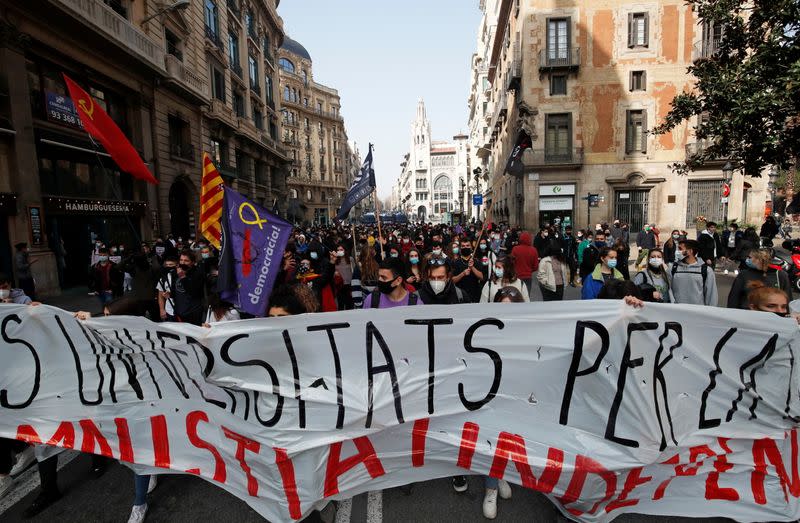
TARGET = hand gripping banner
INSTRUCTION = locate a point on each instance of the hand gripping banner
(669, 410)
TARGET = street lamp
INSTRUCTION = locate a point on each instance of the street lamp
(727, 174)
(180, 4)
(773, 180)
(477, 171)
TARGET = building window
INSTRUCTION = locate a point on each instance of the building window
(638, 29)
(442, 191)
(261, 173)
(250, 23)
(219, 153)
(558, 84)
(212, 19)
(233, 49)
(268, 88)
(286, 65)
(558, 39)
(636, 132)
(558, 137)
(266, 44)
(321, 129)
(258, 118)
(174, 45)
(638, 81)
(252, 67)
(238, 104)
(319, 107)
(180, 138)
(218, 84)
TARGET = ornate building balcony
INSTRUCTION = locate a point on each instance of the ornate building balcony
(184, 79)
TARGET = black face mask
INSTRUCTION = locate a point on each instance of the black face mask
(783, 314)
(168, 270)
(466, 252)
(385, 287)
(185, 268)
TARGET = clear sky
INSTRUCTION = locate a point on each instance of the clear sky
(383, 56)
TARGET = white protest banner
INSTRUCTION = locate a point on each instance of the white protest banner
(672, 410)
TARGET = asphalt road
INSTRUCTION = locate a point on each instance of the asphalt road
(181, 498)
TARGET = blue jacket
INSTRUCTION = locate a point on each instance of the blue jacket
(594, 282)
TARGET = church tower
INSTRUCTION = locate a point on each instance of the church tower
(421, 128)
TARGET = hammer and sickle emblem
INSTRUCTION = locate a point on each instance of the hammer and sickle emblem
(253, 213)
(88, 110)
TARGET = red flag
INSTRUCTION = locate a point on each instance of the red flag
(98, 124)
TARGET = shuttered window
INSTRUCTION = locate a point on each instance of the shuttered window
(636, 132)
(638, 29)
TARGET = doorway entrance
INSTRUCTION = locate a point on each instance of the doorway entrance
(181, 212)
(631, 206)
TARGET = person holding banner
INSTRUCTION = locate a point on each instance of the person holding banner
(603, 272)
(188, 290)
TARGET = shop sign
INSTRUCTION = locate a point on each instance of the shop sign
(77, 206)
(555, 204)
(61, 110)
(567, 189)
(35, 225)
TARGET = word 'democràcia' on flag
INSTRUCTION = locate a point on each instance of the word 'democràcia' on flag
(252, 252)
(672, 410)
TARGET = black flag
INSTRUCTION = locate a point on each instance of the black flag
(515, 167)
(362, 186)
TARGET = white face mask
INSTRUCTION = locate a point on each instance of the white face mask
(4, 293)
(656, 262)
(437, 286)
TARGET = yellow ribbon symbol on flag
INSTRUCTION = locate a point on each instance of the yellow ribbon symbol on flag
(88, 110)
(254, 213)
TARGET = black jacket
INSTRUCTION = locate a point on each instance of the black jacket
(708, 244)
(737, 299)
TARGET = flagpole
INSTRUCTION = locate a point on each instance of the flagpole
(110, 180)
(483, 228)
(377, 211)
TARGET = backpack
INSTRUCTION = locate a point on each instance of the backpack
(703, 272)
(375, 299)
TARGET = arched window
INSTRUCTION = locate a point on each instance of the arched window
(442, 194)
(292, 193)
(286, 65)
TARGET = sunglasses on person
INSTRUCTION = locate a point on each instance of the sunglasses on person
(438, 261)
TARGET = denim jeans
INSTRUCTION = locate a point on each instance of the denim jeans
(490, 482)
(140, 483)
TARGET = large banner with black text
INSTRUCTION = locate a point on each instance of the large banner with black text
(671, 410)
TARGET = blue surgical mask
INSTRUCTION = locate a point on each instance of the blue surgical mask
(314, 255)
(483, 247)
(103, 258)
(455, 250)
(750, 263)
(498, 273)
(600, 244)
(414, 260)
(612, 263)
(393, 254)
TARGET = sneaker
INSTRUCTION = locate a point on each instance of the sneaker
(138, 513)
(490, 503)
(460, 483)
(153, 483)
(44, 500)
(504, 489)
(6, 482)
(24, 459)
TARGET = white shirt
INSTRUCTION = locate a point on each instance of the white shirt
(163, 286)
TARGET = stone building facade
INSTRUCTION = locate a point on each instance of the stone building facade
(434, 182)
(169, 77)
(588, 80)
(315, 138)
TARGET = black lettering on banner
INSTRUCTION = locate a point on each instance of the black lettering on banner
(496, 361)
(205, 370)
(431, 351)
(106, 350)
(173, 371)
(372, 371)
(273, 376)
(301, 404)
(786, 414)
(577, 355)
(37, 372)
(627, 363)
(337, 365)
(659, 380)
(146, 363)
(714, 422)
(130, 368)
(185, 354)
(755, 364)
(79, 369)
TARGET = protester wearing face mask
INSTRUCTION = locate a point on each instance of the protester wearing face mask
(671, 247)
(603, 272)
(391, 291)
(414, 269)
(344, 267)
(319, 274)
(645, 240)
(439, 288)
(437, 250)
(591, 255)
(692, 281)
(502, 275)
(188, 290)
(10, 295)
(653, 280)
(758, 270)
(105, 279)
(526, 260)
(764, 298)
(468, 273)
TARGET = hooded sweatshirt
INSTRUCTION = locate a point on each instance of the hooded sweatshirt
(526, 257)
(687, 284)
(19, 297)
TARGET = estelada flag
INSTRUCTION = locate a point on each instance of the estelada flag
(514, 166)
(211, 200)
(98, 124)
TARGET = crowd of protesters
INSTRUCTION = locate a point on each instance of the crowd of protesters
(327, 269)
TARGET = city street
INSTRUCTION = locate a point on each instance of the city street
(182, 498)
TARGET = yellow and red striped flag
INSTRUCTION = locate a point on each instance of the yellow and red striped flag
(211, 200)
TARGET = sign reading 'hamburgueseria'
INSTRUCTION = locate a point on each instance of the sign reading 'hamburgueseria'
(673, 410)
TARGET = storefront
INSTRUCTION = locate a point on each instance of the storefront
(74, 224)
(557, 202)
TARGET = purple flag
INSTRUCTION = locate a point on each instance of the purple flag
(253, 241)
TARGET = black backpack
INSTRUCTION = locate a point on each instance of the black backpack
(375, 299)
